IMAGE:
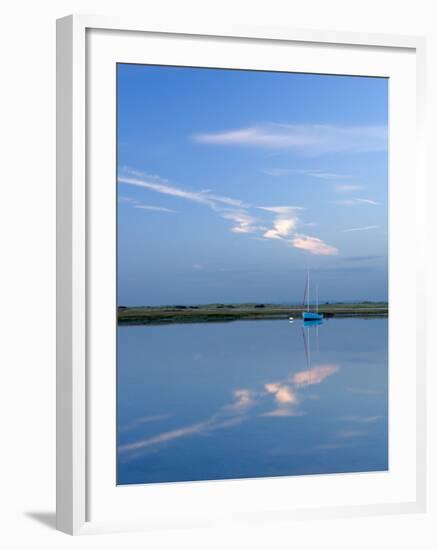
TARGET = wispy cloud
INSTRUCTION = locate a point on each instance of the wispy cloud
(152, 418)
(328, 175)
(281, 210)
(360, 259)
(154, 208)
(203, 197)
(367, 201)
(347, 187)
(364, 391)
(356, 202)
(366, 228)
(278, 172)
(227, 207)
(328, 447)
(244, 220)
(361, 419)
(315, 173)
(144, 420)
(128, 200)
(229, 415)
(135, 203)
(314, 245)
(351, 433)
(313, 139)
(283, 412)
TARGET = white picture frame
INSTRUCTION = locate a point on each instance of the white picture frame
(74, 284)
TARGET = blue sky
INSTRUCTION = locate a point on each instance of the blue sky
(231, 184)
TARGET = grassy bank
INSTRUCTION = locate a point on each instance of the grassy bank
(207, 313)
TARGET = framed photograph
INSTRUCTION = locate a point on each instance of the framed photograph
(240, 275)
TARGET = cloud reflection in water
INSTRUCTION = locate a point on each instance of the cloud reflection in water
(286, 399)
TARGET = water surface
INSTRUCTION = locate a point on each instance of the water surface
(251, 399)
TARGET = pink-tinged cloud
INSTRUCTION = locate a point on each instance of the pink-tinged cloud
(281, 228)
(244, 223)
(285, 223)
(284, 395)
(285, 398)
(273, 387)
(313, 245)
(316, 375)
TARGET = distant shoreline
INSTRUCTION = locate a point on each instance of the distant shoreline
(235, 312)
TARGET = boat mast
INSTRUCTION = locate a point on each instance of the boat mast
(317, 298)
(308, 292)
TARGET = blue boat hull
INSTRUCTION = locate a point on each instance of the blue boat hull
(312, 316)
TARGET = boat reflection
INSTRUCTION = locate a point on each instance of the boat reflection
(306, 331)
(314, 323)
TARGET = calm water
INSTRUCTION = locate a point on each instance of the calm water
(250, 399)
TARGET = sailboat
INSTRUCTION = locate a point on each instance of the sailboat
(311, 315)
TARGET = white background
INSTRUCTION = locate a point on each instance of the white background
(27, 224)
